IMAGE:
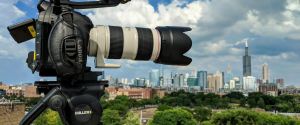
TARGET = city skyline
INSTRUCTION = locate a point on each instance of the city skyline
(218, 36)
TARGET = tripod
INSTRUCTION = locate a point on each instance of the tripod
(76, 104)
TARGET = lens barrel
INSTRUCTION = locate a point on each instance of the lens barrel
(164, 45)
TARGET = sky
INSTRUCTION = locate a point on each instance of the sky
(219, 29)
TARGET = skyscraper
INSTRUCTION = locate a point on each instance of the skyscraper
(167, 77)
(160, 71)
(265, 76)
(249, 83)
(181, 81)
(232, 84)
(185, 79)
(237, 82)
(229, 75)
(202, 79)
(194, 73)
(221, 81)
(214, 82)
(246, 63)
(154, 77)
(177, 80)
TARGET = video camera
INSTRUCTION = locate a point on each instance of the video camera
(63, 40)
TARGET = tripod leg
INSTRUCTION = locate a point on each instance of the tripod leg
(38, 108)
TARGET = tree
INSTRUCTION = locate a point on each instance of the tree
(252, 103)
(121, 108)
(242, 102)
(131, 119)
(163, 107)
(206, 102)
(48, 117)
(234, 95)
(261, 103)
(214, 102)
(199, 102)
(223, 103)
(156, 98)
(176, 116)
(202, 114)
(249, 117)
(132, 102)
(187, 102)
(110, 117)
(106, 95)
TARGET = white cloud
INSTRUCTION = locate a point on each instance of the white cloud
(28, 2)
(10, 49)
(9, 13)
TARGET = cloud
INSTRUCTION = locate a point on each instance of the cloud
(9, 13)
(10, 49)
(219, 30)
(27, 2)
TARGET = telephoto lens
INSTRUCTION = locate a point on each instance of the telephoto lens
(164, 45)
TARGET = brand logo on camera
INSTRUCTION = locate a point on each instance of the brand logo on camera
(79, 50)
(83, 112)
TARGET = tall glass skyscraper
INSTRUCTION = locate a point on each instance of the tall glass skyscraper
(141, 81)
(246, 63)
(181, 81)
(202, 79)
(154, 77)
(249, 83)
(167, 77)
(160, 72)
(177, 80)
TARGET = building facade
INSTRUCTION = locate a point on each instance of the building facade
(268, 89)
(192, 81)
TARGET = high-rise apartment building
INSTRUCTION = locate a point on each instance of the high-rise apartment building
(246, 63)
(265, 76)
(202, 79)
(167, 77)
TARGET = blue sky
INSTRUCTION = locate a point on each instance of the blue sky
(218, 30)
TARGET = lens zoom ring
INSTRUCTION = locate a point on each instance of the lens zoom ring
(145, 44)
(116, 42)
